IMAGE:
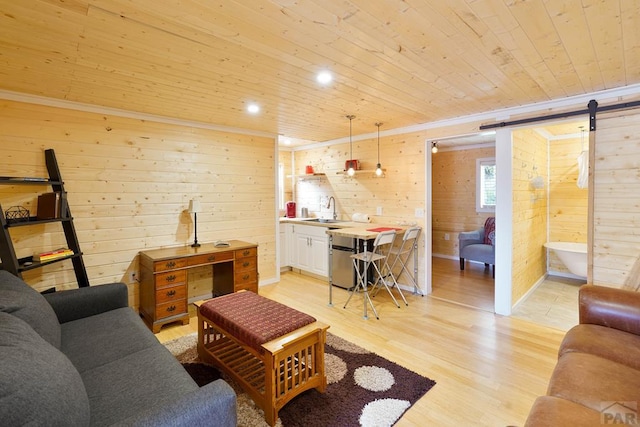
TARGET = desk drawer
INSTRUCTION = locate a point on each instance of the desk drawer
(170, 278)
(173, 293)
(245, 264)
(170, 264)
(211, 258)
(171, 308)
(242, 277)
(244, 253)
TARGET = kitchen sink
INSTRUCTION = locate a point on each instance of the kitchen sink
(324, 220)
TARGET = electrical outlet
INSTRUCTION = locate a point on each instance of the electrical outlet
(379, 210)
(419, 213)
(446, 236)
(133, 277)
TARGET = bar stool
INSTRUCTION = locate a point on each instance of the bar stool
(372, 258)
(402, 255)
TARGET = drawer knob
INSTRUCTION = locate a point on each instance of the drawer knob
(246, 252)
(245, 277)
(172, 308)
(246, 264)
(170, 264)
(170, 278)
(171, 293)
(211, 258)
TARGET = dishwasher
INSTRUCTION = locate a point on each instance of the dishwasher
(342, 273)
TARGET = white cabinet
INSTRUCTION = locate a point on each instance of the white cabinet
(284, 246)
(309, 249)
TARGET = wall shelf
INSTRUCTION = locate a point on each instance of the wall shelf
(364, 171)
(308, 177)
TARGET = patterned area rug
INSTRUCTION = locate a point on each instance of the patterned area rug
(363, 388)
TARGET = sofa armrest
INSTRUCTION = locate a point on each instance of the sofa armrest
(610, 307)
(78, 303)
(213, 404)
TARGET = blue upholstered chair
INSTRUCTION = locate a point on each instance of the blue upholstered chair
(479, 245)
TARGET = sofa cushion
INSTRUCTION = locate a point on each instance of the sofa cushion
(101, 339)
(549, 411)
(38, 384)
(21, 300)
(151, 377)
(608, 343)
(592, 381)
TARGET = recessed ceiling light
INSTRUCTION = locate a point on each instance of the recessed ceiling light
(253, 108)
(324, 77)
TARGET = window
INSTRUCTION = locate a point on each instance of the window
(486, 184)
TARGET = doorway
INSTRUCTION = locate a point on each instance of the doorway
(454, 180)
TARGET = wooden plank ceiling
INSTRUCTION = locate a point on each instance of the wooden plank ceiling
(401, 62)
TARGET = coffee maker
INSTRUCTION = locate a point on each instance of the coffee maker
(291, 209)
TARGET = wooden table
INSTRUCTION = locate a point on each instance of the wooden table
(273, 372)
(364, 233)
(164, 277)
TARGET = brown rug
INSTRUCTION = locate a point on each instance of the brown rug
(363, 388)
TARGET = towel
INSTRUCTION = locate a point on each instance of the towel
(583, 169)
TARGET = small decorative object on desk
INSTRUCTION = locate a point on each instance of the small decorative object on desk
(16, 214)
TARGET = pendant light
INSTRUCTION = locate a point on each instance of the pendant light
(378, 166)
(434, 147)
(351, 171)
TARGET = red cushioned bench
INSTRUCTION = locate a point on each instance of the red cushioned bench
(273, 351)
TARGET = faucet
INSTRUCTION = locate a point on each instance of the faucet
(335, 215)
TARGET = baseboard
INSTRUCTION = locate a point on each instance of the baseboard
(529, 292)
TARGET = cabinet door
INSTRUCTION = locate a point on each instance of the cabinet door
(302, 257)
(319, 255)
(284, 254)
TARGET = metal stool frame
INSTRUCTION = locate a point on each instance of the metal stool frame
(407, 248)
(371, 258)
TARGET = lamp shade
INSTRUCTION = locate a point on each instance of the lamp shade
(194, 206)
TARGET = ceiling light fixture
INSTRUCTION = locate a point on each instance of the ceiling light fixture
(324, 77)
(253, 108)
(434, 147)
(351, 171)
(378, 166)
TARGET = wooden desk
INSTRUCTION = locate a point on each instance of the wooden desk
(164, 277)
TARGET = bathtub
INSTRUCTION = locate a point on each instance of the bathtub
(572, 255)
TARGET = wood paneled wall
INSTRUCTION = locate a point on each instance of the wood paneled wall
(454, 197)
(129, 184)
(399, 193)
(616, 193)
(568, 213)
(530, 159)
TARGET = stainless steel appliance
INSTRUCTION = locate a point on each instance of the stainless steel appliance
(342, 273)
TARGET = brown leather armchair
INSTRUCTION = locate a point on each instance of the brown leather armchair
(597, 377)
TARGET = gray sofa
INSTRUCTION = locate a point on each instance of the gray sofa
(82, 357)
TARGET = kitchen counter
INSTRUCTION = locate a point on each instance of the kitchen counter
(310, 221)
(364, 231)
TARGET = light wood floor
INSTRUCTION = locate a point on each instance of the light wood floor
(488, 368)
(554, 303)
(473, 286)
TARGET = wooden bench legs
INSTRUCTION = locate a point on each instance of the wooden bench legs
(284, 368)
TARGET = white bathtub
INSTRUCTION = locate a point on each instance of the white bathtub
(572, 255)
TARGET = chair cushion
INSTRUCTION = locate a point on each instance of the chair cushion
(24, 302)
(490, 231)
(38, 384)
